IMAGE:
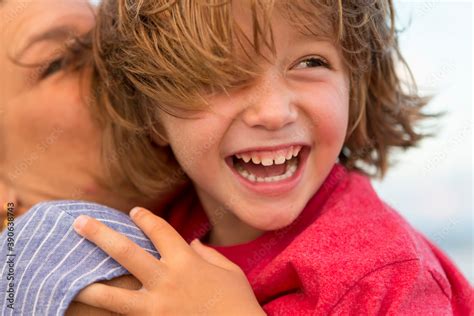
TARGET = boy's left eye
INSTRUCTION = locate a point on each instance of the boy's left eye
(311, 62)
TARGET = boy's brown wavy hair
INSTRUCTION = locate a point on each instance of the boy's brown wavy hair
(160, 55)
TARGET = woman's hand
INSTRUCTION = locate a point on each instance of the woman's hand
(188, 279)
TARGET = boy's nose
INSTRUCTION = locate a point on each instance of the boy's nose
(269, 104)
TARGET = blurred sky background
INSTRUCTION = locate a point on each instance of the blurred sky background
(431, 186)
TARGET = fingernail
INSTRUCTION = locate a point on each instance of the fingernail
(80, 222)
(134, 211)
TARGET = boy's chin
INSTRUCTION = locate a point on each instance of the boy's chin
(274, 219)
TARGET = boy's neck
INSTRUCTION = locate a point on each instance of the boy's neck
(227, 229)
(233, 232)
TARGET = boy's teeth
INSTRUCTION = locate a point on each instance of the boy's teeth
(296, 150)
(267, 159)
(280, 160)
(290, 171)
(256, 160)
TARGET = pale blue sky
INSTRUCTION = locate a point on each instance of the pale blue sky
(432, 185)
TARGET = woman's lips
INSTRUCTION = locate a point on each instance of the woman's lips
(274, 185)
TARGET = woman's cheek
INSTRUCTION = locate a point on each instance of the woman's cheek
(55, 102)
(49, 122)
(28, 126)
(69, 104)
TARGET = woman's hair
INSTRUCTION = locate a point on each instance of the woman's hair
(152, 56)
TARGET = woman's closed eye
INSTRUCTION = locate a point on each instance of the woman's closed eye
(53, 67)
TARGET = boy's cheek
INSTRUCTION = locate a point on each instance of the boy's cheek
(193, 142)
(329, 118)
(329, 129)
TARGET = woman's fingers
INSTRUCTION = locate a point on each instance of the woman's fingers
(111, 298)
(165, 238)
(135, 259)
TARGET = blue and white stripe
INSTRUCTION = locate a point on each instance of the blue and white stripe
(53, 263)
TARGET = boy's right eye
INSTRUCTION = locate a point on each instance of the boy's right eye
(311, 62)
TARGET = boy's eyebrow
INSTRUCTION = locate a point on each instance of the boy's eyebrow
(302, 36)
(57, 33)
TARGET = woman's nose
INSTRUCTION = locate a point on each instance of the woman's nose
(269, 104)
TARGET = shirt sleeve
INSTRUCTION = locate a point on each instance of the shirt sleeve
(399, 288)
(45, 263)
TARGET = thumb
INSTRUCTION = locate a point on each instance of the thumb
(212, 256)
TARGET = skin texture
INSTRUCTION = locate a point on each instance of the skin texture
(49, 145)
(293, 101)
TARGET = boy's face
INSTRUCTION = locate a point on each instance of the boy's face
(298, 106)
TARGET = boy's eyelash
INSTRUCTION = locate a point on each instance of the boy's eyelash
(313, 62)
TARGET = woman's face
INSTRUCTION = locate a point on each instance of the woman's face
(49, 145)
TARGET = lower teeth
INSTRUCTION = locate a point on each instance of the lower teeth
(290, 171)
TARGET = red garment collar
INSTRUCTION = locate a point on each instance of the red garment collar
(186, 215)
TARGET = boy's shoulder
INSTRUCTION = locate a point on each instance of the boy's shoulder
(359, 239)
(357, 219)
(354, 225)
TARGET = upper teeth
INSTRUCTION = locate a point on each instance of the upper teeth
(277, 157)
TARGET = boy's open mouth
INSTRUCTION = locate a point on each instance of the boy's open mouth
(268, 166)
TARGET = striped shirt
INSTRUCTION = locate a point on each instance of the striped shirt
(45, 263)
